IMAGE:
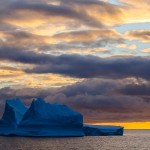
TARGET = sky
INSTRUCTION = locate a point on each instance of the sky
(93, 55)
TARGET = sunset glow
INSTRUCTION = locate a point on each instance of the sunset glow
(130, 125)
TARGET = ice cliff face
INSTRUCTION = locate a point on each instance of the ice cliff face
(45, 119)
(14, 111)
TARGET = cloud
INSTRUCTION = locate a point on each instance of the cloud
(130, 47)
(35, 25)
(79, 66)
(103, 108)
(141, 35)
(83, 39)
(37, 42)
(23, 56)
(12, 75)
(99, 100)
(136, 11)
(89, 36)
(77, 13)
(8, 72)
(128, 11)
(25, 40)
(135, 89)
(17, 13)
(146, 50)
(92, 66)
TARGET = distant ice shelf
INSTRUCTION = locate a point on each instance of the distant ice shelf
(95, 130)
(51, 120)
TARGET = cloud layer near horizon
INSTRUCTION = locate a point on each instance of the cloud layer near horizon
(99, 100)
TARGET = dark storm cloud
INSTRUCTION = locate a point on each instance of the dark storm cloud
(92, 87)
(25, 93)
(99, 100)
(108, 107)
(102, 100)
(79, 66)
(23, 56)
(91, 66)
(135, 89)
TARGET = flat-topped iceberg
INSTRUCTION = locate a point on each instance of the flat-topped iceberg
(98, 130)
(45, 119)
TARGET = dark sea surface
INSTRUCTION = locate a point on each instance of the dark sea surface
(132, 140)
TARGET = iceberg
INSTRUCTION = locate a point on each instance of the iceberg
(51, 120)
(14, 111)
(40, 119)
(44, 119)
(98, 130)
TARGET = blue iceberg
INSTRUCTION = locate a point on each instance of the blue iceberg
(45, 119)
(40, 119)
(98, 130)
(14, 111)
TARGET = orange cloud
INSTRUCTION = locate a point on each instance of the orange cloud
(146, 50)
(130, 47)
(136, 11)
(93, 51)
(12, 77)
(141, 35)
(87, 35)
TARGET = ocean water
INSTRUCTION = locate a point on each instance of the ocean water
(132, 140)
